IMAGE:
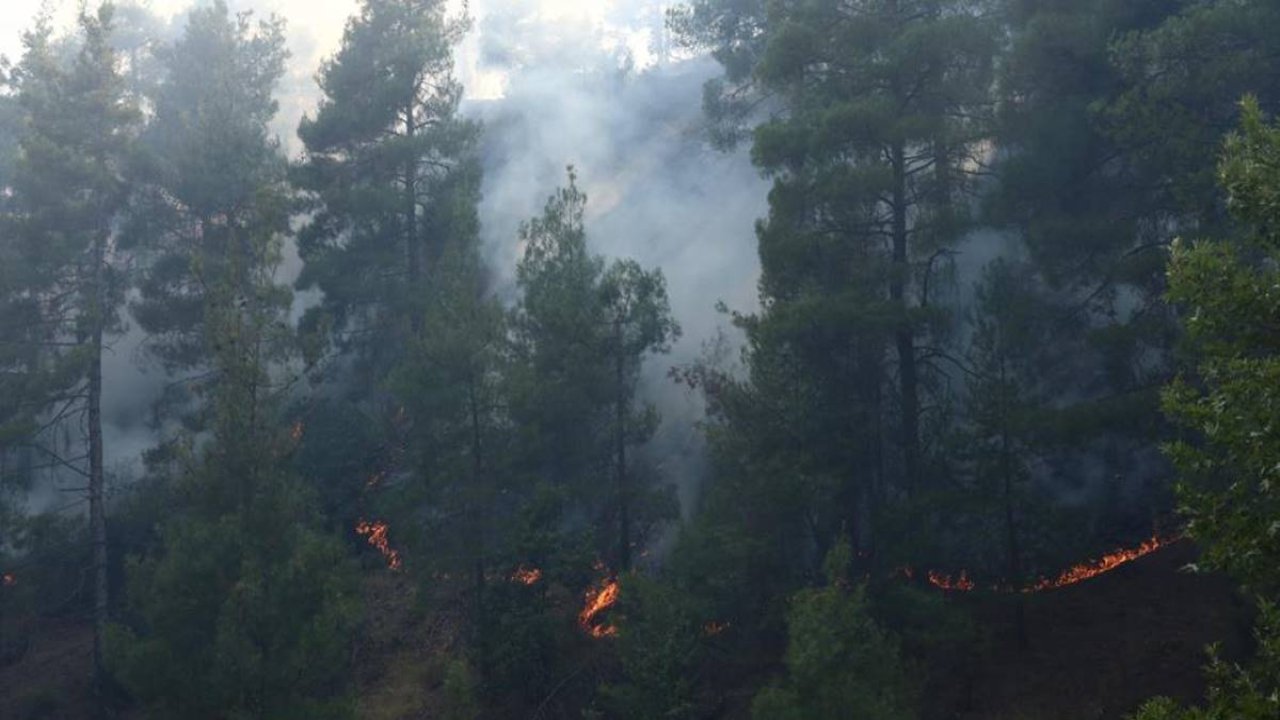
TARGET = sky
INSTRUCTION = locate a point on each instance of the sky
(321, 19)
(315, 26)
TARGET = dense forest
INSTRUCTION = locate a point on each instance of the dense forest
(305, 413)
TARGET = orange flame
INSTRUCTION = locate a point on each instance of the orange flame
(599, 597)
(375, 534)
(1106, 563)
(946, 582)
(714, 628)
(526, 576)
(1070, 576)
(9, 580)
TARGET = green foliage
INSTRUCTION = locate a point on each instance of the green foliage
(244, 610)
(450, 383)
(734, 34)
(213, 177)
(1184, 78)
(1229, 460)
(659, 646)
(46, 554)
(581, 332)
(1068, 185)
(1229, 456)
(241, 618)
(337, 454)
(994, 522)
(826, 434)
(524, 646)
(840, 662)
(61, 279)
(389, 177)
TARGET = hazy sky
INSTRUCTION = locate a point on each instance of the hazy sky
(315, 26)
(322, 19)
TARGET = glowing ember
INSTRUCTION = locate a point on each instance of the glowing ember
(1106, 563)
(9, 580)
(375, 479)
(375, 534)
(714, 628)
(296, 432)
(946, 582)
(526, 576)
(599, 597)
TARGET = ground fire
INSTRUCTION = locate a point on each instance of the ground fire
(1106, 563)
(599, 597)
(714, 628)
(526, 576)
(375, 533)
(946, 582)
(1070, 576)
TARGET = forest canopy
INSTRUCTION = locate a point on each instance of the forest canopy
(725, 359)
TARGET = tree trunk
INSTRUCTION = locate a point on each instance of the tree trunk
(477, 507)
(97, 499)
(1010, 524)
(620, 438)
(909, 437)
(412, 249)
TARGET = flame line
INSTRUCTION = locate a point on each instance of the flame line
(1070, 576)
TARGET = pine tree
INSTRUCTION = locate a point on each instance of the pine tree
(213, 174)
(62, 300)
(1183, 79)
(582, 332)
(878, 118)
(246, 609)
(389, 168)
(451, 382)
(638, 314)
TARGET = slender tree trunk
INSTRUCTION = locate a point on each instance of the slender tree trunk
(1011, 526)
(909, 437)
(860, 482)
(477, 507)
(412, 249)
(620, 438)
(875, 450)
(97, 480)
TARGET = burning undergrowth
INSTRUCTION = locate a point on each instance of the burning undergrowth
(375, 533)
(600, 596)
(961, 581)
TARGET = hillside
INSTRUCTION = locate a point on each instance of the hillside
(1096, 650)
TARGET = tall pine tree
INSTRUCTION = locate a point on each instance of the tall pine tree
(389, 168)
(69, 190)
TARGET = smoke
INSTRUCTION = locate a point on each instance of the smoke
(629, 122)
(556, 83)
